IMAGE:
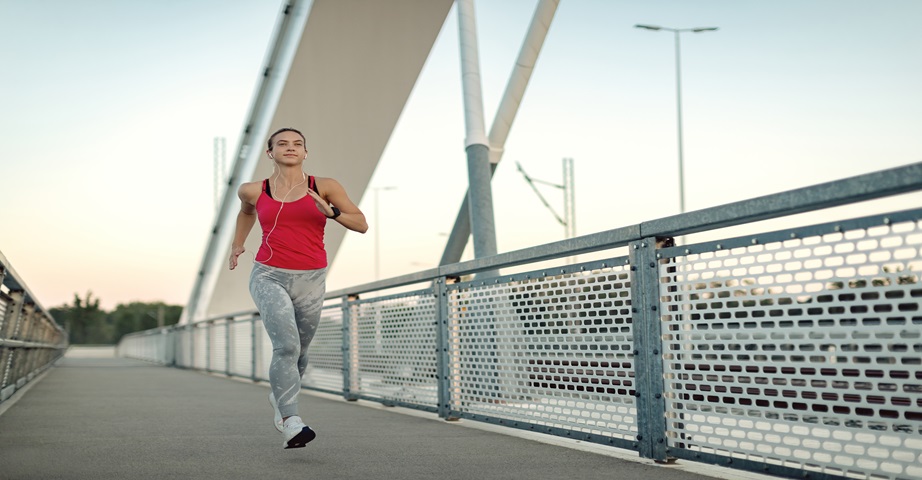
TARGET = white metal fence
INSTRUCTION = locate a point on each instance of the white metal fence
(793, 352)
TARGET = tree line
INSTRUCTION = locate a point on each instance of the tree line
(86, 323)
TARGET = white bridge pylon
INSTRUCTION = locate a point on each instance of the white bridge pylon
(340, 71)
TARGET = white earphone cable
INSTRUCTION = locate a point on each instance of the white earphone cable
(281, 205)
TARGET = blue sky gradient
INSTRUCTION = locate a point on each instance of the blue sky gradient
(108, 110)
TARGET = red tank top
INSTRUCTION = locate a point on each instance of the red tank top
(292, 232)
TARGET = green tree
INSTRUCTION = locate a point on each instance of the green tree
(137, 316)
(84, 320)
(88, 324)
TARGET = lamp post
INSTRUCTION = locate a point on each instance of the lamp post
(678, 96)
(378, 231)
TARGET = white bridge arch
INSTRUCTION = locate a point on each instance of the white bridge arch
(341, 71)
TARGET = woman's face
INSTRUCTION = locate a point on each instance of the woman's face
(288, 148)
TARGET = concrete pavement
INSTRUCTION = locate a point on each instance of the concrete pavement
(110, 418)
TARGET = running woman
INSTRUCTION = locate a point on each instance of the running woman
(288, 280)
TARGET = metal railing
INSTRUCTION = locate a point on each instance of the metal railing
(30, 339)
(793, 352)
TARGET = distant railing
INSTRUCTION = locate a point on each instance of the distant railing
(795, 352)
(30, 340)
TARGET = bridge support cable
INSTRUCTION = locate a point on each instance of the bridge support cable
(567, 186)
(569, 209)
(502, 122)
(569, 198)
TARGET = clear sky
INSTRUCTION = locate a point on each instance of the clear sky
(108, 110)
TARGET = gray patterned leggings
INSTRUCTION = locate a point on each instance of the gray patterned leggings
(289, 303)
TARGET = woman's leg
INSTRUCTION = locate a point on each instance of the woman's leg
(307, 292)
(268, 287)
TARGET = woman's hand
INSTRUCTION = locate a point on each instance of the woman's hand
(235, 252)
(321, 204)
(350, 215)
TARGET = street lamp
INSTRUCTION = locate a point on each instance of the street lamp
(378, 230)
(678, 96)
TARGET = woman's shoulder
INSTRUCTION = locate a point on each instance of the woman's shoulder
(325, 180)
(250, 191)
(327, 185)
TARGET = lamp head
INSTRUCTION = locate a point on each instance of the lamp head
(649, 27)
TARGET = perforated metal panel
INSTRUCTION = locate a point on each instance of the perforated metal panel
(548, 349)
(241, 341)
(6, 358)
(183, 338)
(4, 352)
(199, 346)
(156, 348)
(796, 353)
(189, 347)
(263, 352)
(217, 347)
(799, 352)
(4, 305)
(325, 355)
(145, 347)
(395, 341)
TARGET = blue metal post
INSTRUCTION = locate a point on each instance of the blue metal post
(443, 345)
(648, 350)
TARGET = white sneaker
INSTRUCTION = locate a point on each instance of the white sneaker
(296, 433)
(278, 416)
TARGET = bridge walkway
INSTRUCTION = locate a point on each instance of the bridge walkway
(99, 417)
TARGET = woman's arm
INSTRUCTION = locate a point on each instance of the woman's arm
(245, 220)
(331, 192)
